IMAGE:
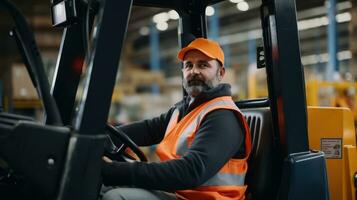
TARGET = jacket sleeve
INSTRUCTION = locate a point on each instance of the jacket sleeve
(218, 139)
(146, 132)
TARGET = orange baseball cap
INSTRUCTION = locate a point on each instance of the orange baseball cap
(209, 47)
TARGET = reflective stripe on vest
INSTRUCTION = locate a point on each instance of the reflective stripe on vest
(224, 179)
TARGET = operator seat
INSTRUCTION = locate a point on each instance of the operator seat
(263, 163)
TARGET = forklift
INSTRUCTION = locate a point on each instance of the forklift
(60, 158)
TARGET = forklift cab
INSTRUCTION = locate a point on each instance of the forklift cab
(67, 154)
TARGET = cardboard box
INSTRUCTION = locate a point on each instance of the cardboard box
(138, 77)
(22, 87)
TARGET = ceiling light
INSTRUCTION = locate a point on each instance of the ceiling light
(236, 1)
(344, 55)
(343, 17)
(161, 17)
(243, 6)
(209, 11)
(173, 14)
(312, 23)
(162, 26)
(324, 57)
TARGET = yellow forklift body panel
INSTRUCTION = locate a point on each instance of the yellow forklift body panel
(332, 131)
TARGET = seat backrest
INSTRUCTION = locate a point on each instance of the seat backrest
(263, 164)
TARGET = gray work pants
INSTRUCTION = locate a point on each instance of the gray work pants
(137, 194)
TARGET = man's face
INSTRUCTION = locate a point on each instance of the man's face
(200, 72)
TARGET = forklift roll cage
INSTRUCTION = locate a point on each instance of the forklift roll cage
(282, 53)
(79, 176)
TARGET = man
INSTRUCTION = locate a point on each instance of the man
(204, 140)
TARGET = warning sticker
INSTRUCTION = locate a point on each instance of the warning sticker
(332, 147)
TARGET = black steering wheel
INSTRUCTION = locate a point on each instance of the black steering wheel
(115, 150)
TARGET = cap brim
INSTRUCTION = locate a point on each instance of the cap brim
(182, 53)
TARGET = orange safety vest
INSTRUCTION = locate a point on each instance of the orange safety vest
(228, 183)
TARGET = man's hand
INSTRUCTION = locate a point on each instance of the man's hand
(107, 170)
(116, 173)
(107, 160)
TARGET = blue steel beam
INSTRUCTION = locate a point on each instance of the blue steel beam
(154, 54)
(333, 65)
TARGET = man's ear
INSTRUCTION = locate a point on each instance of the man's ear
(222, 72)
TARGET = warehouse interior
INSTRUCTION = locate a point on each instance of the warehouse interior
(149, 78)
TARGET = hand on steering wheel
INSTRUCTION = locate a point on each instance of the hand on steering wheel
(114, 150)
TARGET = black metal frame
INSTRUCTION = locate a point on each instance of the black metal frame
(33, 61)
(192, 22)
(102, 68)
(285, 75)
(68, 71)
(74, 160)
(86, 147)
(69, 66)
(286, 86)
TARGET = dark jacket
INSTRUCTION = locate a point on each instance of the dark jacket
(219, 138)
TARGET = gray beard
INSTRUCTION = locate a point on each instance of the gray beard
(195, 90)
(195, 85)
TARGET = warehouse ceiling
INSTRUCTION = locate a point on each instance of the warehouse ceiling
(235, 27)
